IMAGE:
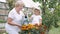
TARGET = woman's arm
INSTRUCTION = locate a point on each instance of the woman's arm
(10, 21)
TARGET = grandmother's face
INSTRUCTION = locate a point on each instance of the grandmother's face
(19, 7)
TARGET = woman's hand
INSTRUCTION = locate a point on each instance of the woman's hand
(19, 26)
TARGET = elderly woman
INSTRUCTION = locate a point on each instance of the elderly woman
(14, 20)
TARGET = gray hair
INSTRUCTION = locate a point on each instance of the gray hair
(18, 3)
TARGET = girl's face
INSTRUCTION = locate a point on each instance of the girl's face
(36, 12)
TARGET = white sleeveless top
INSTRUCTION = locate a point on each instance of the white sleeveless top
(36, 19)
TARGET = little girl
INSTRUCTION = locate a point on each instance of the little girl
(36, 18)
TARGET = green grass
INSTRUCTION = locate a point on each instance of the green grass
(55, 31)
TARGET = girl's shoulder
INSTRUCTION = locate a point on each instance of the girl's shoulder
(39, 15)
(33, 15)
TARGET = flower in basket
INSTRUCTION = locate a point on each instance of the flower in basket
(30, 28)
(27, 27)
(23, 27)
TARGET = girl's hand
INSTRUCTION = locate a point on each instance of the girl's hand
(39, 25)
(36, 24)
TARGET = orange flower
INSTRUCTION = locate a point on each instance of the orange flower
(23, 27)
(28, 27)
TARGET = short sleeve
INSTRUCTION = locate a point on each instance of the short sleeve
(11, 15)
(22, 13)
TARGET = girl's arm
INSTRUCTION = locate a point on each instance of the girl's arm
(40, 23)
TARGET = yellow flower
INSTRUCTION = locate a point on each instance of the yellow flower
(23, 27)
(28, 27)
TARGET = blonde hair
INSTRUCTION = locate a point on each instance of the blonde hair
(18, 3)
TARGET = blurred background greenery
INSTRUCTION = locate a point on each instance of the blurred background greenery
(50, 14)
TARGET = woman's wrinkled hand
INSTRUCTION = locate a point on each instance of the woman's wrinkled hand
(19, 26)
